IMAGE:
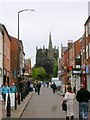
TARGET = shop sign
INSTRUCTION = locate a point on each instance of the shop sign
(77, 71)
(70, 67)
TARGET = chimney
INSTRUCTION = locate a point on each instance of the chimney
(69, 42)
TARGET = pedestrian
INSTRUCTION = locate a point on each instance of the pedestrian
(83, 97)
(38, 87)
(5, 90)
(54, 87)
(35, 86)
(31, 87)
(47, 84)
(70, 99)
(13, 91)
(74, 89)
(44, 84)
(28, 84)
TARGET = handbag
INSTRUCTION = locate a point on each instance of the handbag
(64, 106)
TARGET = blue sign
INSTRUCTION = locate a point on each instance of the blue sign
(87, 70)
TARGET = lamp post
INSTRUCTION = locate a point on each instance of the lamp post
(18, 17)
(18, 44)
(18, 33)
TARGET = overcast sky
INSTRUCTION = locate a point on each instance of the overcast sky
(65, 21)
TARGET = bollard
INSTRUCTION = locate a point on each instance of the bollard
(23, 92)
(8, 106)
(21, 89)
(18, 98)
(15, 101)
(21, 96)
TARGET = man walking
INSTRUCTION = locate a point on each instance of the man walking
(38, 87)
(83, 97)
(53, 86)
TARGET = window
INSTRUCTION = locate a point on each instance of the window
(87, 52)
(4, 48)
(86, 31)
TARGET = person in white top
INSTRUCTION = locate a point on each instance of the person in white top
(69, 97)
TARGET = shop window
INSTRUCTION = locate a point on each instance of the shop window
(87, 52)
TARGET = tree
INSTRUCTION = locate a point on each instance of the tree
(35, 73)
(39, 73)
(55, 69)
(47, 64)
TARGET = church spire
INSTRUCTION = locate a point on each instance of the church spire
(50, 48)
(50, 41)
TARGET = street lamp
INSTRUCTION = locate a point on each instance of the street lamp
(18, 17)
(18, 26)
(18, 20)
(18, 37)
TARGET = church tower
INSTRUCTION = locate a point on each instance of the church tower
(50, 48)
(50, 41)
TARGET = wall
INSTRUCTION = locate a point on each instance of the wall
(6, 56)
(14, 59)
(1, 58)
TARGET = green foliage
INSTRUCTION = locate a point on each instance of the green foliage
(35, 73)
(39, 73)
(55, 69)
(47, 64)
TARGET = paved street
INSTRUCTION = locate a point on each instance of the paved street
(15, 113)
(46, 105)
(0, 110)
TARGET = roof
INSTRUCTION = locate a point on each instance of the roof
(3, 28)
(87, 20)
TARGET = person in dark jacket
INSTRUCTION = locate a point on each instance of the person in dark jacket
(83, 97)
(53, 86)
(38, 87)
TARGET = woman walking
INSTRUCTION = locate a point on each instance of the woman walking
(13, 91)
(69, 97)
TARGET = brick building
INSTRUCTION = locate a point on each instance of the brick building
(78, 56)
(14, 59)
(86, 54)
(1, 55)
(6, 54)
(17, 60)
(27, 67)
